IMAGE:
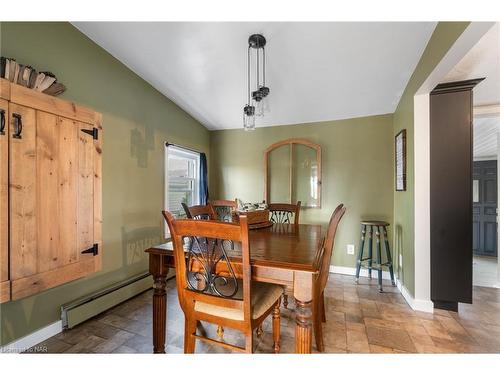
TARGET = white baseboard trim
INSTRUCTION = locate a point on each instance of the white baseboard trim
(352, 271)
(26, 342)
(419, 305)
(415, 304)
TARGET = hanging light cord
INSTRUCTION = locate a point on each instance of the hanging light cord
(257, 69)
(248, 68)
(264, 66)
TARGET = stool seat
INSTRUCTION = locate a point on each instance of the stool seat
(375, 222)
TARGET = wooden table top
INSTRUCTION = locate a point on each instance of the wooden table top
(282, 246)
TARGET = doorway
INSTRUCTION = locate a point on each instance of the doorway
(485, 202)
(464, 44)
(483, 60)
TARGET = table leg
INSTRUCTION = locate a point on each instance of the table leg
(302, 291)
(159, 272)
(303, 328)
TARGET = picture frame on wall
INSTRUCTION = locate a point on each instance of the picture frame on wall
(400, 160)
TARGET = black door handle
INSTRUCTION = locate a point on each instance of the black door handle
(2, 122)
(18, 125)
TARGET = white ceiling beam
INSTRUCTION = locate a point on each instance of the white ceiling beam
(490, 110)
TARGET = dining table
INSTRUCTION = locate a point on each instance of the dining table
(283, 254)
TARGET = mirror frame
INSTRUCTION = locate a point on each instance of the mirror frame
(291, 142)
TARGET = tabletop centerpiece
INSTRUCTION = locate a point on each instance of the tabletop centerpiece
(257, 214)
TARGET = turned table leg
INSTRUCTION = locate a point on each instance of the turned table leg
(159, 272)
(303, 328)
(302, 291)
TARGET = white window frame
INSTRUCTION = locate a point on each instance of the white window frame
(184, 153)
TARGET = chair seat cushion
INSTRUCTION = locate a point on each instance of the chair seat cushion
(263, 296)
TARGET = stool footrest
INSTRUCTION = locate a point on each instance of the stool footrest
(376, 266)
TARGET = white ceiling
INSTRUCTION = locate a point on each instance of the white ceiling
(483, 60)
(316, 71)
(485, 137)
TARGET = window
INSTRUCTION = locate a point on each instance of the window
(182, 179)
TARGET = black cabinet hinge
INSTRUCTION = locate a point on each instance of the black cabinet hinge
(94, 250)
(94, 132)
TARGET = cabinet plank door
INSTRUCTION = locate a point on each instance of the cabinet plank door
(64, 206)
(47, 177)
(98, 193)
(68, 189)
(4, 203)
(22, 193)
(85, 181)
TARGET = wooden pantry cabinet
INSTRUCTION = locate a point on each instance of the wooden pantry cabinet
(51, 202)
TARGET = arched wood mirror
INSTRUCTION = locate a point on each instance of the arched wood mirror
(293, 172)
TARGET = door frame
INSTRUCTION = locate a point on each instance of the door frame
(471, 35)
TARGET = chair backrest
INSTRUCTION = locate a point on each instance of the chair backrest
(224, 209)
(283, 212)
(205, 271)
(200, 212)
(325, 252)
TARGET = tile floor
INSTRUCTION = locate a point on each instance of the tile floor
(485, 272)
(359, 320)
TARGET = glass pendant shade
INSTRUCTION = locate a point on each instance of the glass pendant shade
(249, 122)
(259, 108)
(265, 100)
(249, 117)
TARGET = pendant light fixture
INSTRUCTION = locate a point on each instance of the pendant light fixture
(257, 103)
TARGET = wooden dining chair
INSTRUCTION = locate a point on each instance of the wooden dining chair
(224, 209)
(200, 212)
(322, 262)
(284, 213)
(209, 286)
(203, 212)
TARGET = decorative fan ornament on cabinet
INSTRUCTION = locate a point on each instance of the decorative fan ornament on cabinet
(257, 103)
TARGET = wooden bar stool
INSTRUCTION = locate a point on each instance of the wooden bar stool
(367, 229)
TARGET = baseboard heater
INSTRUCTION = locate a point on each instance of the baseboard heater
(82, 309)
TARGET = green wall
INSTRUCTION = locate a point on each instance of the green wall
(357, 159)
(444, 36)
(137, 120)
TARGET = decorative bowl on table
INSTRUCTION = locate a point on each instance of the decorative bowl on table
(257, 215)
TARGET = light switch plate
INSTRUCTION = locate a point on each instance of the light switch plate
(350, 249)
(400, 261)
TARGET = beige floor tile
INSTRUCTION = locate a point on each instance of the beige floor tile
(113, 342)
(357, 342)
(380, 349)
(435, 329)
(86, 345)
(123, 349)
(391, 338)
